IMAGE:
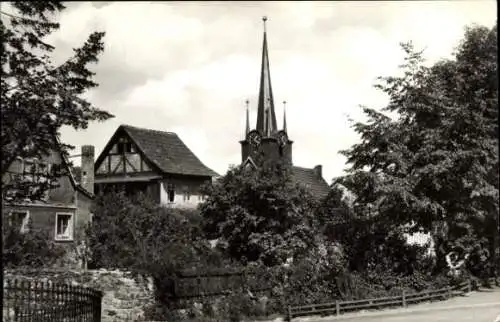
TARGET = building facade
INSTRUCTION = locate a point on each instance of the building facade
(62, 212)
(155, 163)
(273, 143)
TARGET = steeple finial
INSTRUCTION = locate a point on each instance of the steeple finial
(284, 116)
(266, 117)
(247, 128)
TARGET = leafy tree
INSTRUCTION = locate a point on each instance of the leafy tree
(260, 214)
(135, 233)
(38, 98)
(436, 163)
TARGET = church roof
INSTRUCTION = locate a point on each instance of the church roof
(167, 151)
(310, 179)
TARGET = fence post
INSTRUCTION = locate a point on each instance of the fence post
(28, 285)
(404, 298)
(337, 307)
(449, 292)
(289, 313)
(97, 295)
(469, 286)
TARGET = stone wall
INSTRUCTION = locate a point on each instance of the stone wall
(124, 297)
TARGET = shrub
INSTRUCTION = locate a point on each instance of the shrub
(32, 249)
(134, 233)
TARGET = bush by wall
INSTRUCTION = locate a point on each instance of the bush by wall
(30, 249)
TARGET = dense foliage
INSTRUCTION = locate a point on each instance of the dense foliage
(135, 233)
(31, 249)
(435, 165)
(38, 97)
(260, 215)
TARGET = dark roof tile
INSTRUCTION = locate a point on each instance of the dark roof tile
(167, 151)
(310, 180)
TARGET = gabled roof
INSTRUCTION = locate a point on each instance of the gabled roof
(249, 161)
(65, 162)
(166, 151)
(308, 177)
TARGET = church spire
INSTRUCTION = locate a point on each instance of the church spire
(284, 116)
(266, 117)
(247, 128)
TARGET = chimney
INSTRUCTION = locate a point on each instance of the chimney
(87, 181)
(318, 171)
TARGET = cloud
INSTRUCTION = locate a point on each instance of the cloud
(188, 67)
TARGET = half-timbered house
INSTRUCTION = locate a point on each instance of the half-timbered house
(153, 162)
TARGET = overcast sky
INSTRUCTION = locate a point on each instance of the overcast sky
(189, 67)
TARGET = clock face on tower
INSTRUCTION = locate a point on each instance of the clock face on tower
(254, 138)
(282, 138)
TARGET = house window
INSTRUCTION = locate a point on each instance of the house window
(187, 194)
(171, 192)
(18, 165)
(19, 219)
(64, 226)
(124, 146)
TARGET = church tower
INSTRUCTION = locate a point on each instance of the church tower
(266, 138)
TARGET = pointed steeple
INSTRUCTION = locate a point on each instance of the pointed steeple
(284, 116)
(247, 128)
(266, 117)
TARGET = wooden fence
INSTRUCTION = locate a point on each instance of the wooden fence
(196, 284)
(339, 307)
(44, 301)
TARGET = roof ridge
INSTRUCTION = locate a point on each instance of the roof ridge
(304, 168)
(146, 129)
